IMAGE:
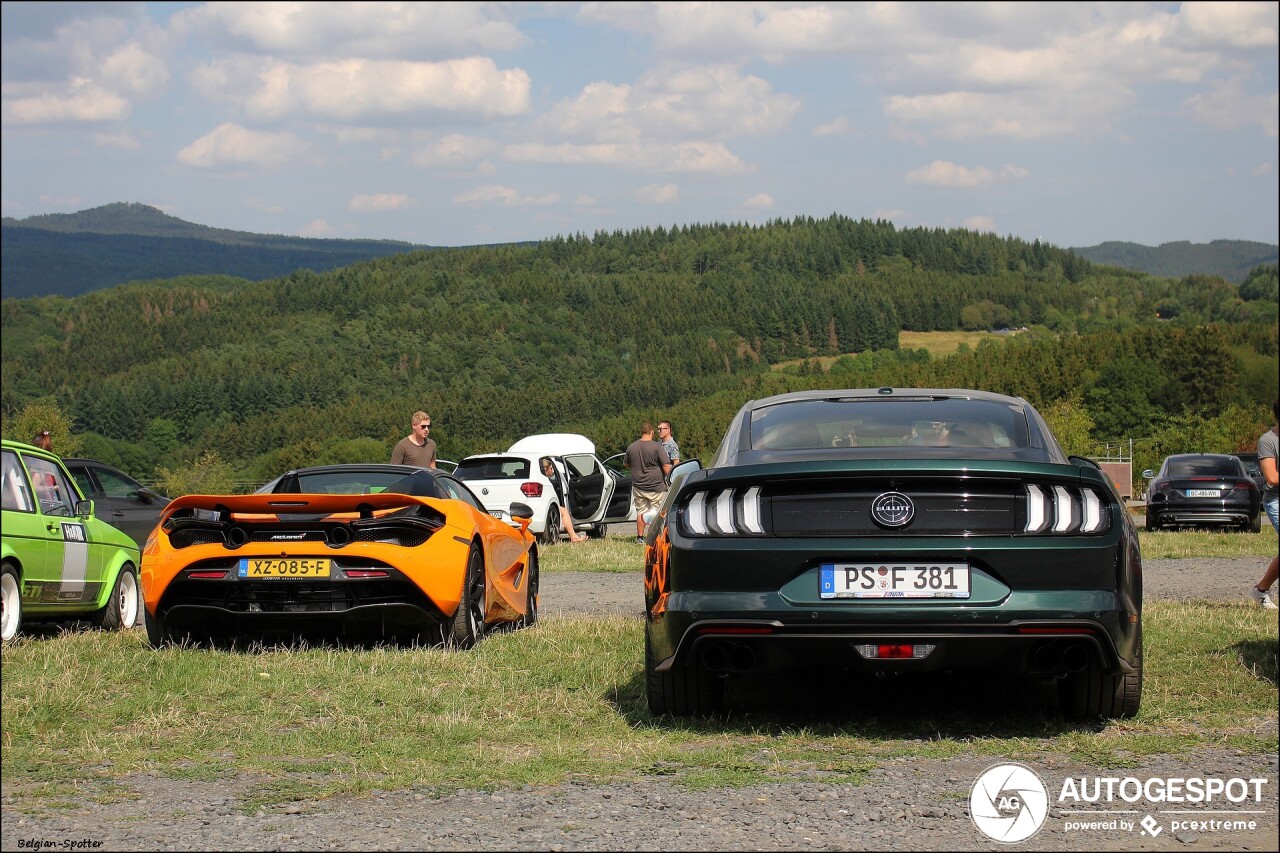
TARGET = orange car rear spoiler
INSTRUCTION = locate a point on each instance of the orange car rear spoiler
(276, 504)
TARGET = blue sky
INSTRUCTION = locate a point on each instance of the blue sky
(459, 123)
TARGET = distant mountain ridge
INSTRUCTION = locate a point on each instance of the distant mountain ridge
(72, 253)
(1231, 259)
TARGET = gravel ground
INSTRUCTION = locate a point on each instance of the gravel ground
(904, 804)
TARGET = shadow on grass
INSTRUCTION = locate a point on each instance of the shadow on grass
(957, 705)
(1259, 657)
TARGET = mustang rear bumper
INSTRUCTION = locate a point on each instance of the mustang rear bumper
(1033, 647)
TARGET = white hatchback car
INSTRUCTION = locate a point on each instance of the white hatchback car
(595, 495)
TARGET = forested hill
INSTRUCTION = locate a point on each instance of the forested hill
(1231, 259)
(75, 253)
(595, 334)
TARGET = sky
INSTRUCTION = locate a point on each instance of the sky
(451, 124)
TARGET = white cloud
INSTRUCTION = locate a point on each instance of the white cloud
(378, 202)
(658, 194)
(234, 145)
(366, 90)
(355, 29)
(836, 127)
(1021, 115)
(316, 228)
(1230, 25)
(83, 103)
(123, 141)
(706, 157)
(973, 70)
(503, 196)
(135, 70)
(673, 102)
(759, 201)
(453, 151)
(942, 173)
(1227, 106)
(980, 223)
(1262, 170)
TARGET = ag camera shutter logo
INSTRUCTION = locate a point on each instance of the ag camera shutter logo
(1008, 803)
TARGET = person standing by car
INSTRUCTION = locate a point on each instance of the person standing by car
(650, 467)
(416, 448)
(1268, 450)
(566, 520)
(668, 441)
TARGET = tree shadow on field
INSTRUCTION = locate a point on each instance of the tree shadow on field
(1259, 657)
(955, 705)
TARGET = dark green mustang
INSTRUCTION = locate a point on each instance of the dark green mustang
(893, 530)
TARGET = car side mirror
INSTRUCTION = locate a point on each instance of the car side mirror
(521, 514)
(147, 496)
(684, 469)
(84, 509)
(1149, 474)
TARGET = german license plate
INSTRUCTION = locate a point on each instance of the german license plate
(894, 580)
(285, 567)
(1202, 493)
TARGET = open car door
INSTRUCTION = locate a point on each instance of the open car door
(591, 490)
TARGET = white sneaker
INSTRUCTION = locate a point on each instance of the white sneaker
(1263, 598)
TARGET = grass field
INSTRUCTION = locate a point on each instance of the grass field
(566, 699)
(937, 343)
(82, 710)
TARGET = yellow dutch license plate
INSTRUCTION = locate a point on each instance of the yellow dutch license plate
(284, 567)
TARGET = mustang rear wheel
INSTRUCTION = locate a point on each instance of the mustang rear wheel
(10, 604)
(1093, 692)
(467, 626)
(680, 691)
(121, 610)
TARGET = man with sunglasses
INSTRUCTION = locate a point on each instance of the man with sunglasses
(416, 448)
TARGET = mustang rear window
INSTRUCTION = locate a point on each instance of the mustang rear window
(925, 422)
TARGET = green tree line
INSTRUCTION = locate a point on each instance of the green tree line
(596, 334)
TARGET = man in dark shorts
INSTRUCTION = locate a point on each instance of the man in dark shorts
(649, 466)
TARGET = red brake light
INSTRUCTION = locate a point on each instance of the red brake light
(531, 489)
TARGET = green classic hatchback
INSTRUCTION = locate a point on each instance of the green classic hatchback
(59, 561)
(893, 531)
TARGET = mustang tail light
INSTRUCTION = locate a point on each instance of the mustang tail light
(531, 489)
(724, 512)
(1060, 509)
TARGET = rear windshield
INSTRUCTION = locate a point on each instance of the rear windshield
(492, 468)
(362, 483)
(1204, 466)
(810, 424)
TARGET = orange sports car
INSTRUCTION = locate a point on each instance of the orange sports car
(383, 552)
